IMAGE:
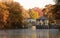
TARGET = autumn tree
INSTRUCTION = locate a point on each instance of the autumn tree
(4, 13)
(39, 11)
(25, 14)
(56, 10)
(33, 14)
(15, 19)
(48, 12)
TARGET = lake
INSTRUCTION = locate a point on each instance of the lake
(30, 33)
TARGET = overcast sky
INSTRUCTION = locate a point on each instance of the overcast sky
(34, 3)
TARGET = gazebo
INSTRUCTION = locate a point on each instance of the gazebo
(43, 20)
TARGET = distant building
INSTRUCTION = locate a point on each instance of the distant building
(43, 21)
(8, 1)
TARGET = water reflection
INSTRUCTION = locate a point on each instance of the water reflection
(29, 33)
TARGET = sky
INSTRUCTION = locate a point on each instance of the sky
(34, 3)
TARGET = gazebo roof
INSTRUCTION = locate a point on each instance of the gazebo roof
(42, 18)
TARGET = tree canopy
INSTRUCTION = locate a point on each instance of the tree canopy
(15, 18)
